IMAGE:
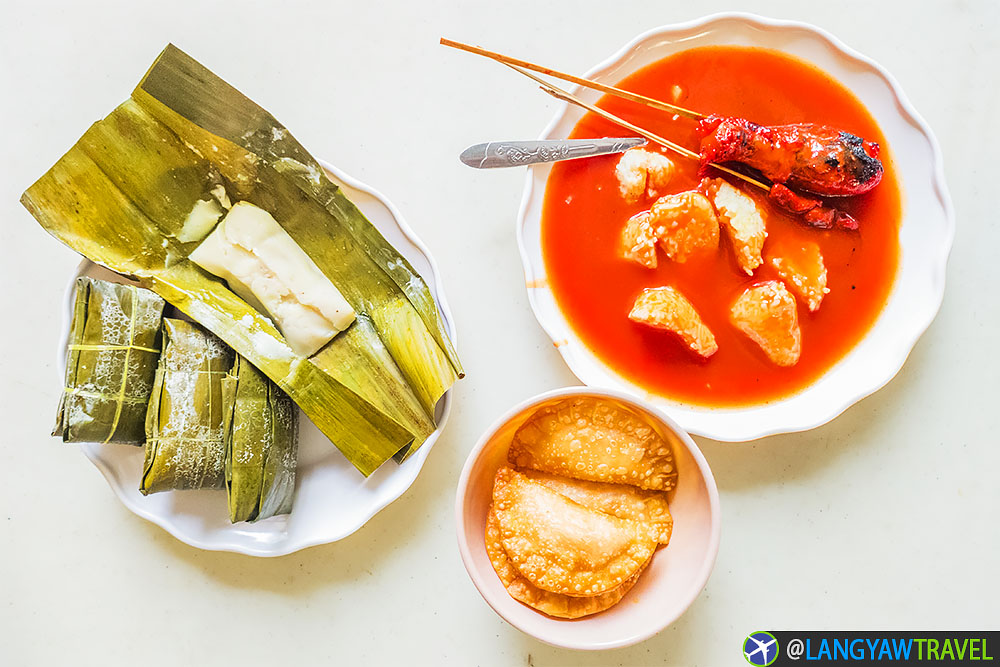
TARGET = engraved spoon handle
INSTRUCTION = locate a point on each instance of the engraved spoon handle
(517, 153)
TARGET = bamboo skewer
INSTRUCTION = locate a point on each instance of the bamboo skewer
(522, 66)
(580, 81)
(566, 96)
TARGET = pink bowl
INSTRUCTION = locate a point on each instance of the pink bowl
(671, 582)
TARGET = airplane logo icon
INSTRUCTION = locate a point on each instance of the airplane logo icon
(760, 648)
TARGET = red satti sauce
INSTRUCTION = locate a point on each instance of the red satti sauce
(595, 287)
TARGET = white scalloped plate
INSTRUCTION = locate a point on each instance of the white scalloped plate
(332, 499)
(925, 235)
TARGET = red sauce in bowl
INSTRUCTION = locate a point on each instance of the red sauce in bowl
(584, 214)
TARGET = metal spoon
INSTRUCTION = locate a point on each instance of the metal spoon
(518, 153)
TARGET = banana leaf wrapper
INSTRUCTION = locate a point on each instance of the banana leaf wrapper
(261, 435)
(185, 440)
(111, 358)
(121, 197)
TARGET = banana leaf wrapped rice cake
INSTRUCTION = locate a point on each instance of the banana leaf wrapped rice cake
(114, 344)
(261, 436)
(145, 186)
(185, 440)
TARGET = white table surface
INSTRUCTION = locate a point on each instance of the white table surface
(885, 518)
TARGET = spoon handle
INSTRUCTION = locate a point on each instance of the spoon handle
(517, 153)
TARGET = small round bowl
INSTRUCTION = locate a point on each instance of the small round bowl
(665, 590)
(925, 235)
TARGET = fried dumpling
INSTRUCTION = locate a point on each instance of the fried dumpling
(620, 500)
(638, 242)
(741, 218)
(642, 173)
(561, 546)
(802, 270)
(666, 308)
(597, 440)
(553, 604)
(766, 312)
(494, 549)
(685, 224)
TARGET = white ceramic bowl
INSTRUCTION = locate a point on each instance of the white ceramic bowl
(674, 578)
(332, 499)
(925, 235)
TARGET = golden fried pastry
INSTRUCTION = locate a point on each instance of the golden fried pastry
(801, 267)
(740, 216)
(685, 224)
(553, 604)
(494, 549)
(766, 312)
(620, 500)
(638, 241)
(641, 173)
(597, 440)
(561, 546)
(666, 308)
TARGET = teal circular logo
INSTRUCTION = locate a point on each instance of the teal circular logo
(760, 648)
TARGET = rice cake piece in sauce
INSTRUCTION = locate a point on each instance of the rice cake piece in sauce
(638, 241)
(643, 173)
(561, 546)
(621, 500)
(767, 314)
(739, 214)
(685, 224)
(802, 269)
(553, 604)
(596, 440)
(667, 309)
